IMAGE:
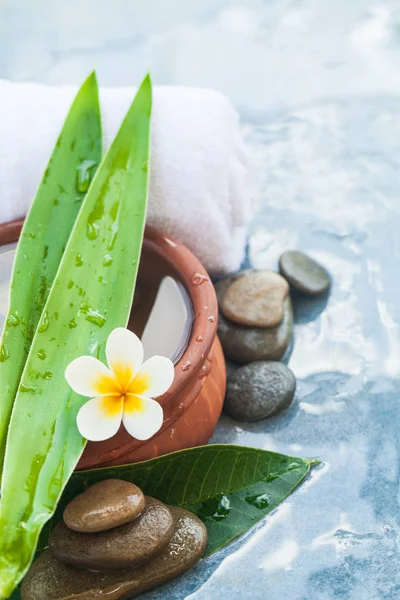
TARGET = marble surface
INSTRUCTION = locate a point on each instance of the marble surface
(317, 85)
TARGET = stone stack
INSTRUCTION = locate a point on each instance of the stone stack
(256, 316)
(117, 543)
(256, 328)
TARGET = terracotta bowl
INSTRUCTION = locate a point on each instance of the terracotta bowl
(193, 404)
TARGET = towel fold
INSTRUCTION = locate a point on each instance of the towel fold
(199, 192)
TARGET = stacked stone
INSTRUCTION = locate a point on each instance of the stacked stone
(256, 328)
(256, 316)
(115, 542)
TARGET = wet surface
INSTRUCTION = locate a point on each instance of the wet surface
(337, 537)
(318, 89)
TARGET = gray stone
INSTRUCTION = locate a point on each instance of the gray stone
(255, 299)
(125, 546)
(104, 505)
(49, 579)
(247, 344)
(304, 273)
(259, 390)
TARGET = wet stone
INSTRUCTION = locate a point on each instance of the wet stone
(304, 273)
(49, 579)
(259, 390)
(105, 505)
(244, 344)
(118, 548)
(255, 299)
(222, 285)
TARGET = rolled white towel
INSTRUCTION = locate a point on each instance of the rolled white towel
(199, 191)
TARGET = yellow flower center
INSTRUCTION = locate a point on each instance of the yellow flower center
(122, 386)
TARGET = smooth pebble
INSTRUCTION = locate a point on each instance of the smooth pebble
(247, 344)
(49, 579)
(125, 546)
(256, 299)
(304, 273)
(104, 505)
(244, 344)
(259, 390)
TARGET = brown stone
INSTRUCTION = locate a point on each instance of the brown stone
(126, 546)
(221, 285)
(247, 344)
(244, 344)
(104, 505)
(255, 299)
(49, 579)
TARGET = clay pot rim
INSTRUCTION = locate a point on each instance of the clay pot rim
(201, 292)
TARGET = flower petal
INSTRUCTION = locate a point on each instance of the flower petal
(154, 378)
(142, 417)
(124, 353)
(89, 377)
(100, 418)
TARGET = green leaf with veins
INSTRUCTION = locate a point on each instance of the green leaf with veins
(229, 487)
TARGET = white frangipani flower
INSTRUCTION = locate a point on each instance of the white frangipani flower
(123, 392)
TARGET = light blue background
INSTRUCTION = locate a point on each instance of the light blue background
(317, 83)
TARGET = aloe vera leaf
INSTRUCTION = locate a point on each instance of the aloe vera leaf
(91, 295)
(44, 237)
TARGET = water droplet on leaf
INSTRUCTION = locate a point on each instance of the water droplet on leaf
(84, 175)
(260, 501)
(4, 353)
(107, 260)
(41, 354)
(92, 231)
(13, 319)
(72, 324)
(96, 318)
(27, 389)
(91, 315)
(44, 323)
(214, 509)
